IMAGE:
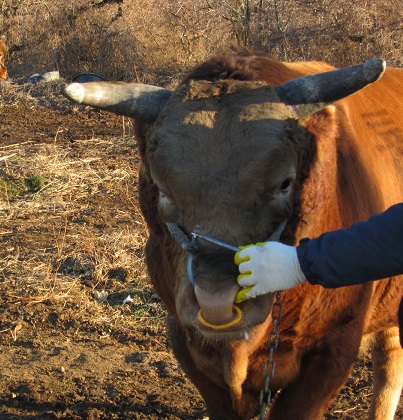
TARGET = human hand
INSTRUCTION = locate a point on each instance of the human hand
(267, 267)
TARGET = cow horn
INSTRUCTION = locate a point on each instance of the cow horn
(130, 99)
(309, 94)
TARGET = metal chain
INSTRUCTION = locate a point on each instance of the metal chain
(270, 366)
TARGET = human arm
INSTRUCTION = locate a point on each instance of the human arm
(367, 251)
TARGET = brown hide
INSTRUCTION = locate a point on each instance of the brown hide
(321, 330)
(224, 153)
(3, 56)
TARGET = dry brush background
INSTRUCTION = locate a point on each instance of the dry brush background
(71, 232)
(154, 40)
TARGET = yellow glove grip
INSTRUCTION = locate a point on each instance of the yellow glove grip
(241, 295)
(237, 258)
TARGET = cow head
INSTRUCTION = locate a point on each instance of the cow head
(228, 158)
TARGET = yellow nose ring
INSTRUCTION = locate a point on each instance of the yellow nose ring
(221, 326)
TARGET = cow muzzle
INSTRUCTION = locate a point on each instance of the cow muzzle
(219, 312)
(215, 298)
(217, 308)
(215, 288)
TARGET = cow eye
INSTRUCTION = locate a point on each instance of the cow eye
(285, 186)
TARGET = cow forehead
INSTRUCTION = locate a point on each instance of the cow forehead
(204, 116)
(218, 129)
(243, 101)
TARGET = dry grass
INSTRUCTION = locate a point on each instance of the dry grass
(81, 232)
(44, 94)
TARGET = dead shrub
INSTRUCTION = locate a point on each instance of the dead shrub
(152, 41)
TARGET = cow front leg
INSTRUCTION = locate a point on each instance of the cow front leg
(322, 374)
(387, 362)
(217, 399)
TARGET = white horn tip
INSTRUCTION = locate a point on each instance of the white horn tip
(75, 92)
(374, 69)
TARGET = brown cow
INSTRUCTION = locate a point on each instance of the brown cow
(3, 56)
(244, 144)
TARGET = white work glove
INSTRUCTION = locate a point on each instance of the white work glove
(267, 267)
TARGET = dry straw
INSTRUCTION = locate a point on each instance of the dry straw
(78, 232)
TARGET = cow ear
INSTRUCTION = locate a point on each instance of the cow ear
(141, 102)
(308, 94)
(322, 123)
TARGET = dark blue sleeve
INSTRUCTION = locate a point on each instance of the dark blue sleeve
(367, 251)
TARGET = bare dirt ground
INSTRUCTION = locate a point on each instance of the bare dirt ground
(71, 234)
